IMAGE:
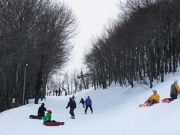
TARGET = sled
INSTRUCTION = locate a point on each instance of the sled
(36, 117)
(166, 100)
(145, 105)
(51, 123)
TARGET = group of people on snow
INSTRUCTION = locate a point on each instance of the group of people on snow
(71, 104)
(41, 112)
(155, 98)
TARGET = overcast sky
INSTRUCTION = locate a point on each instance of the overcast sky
(92, 16)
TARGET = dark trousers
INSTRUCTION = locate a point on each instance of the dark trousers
(72, 111)
(173, 96)
(153, 101)
(89, 107)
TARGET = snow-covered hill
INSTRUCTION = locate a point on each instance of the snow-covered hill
(115, 109)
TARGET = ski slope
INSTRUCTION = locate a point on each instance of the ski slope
(115, 109)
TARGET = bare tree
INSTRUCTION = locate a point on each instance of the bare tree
(37, 34)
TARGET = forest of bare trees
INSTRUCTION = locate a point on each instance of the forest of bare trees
(70, 82)
(34, 41)
(141, 46)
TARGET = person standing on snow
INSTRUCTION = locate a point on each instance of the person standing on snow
(65, 93)
(41, 110)
(82, 102)
(174, 90)
(88, 103)
(153, 99)
(72, 105)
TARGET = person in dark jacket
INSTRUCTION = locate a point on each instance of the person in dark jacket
(72, 105)
(41, 110)
(73, 97)
(82, 102)
(88, 103)
(174, 90)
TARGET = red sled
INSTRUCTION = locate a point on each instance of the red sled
(145, 105)
(166, 100)
(53, 123)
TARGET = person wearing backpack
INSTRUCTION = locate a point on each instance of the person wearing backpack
(82, 102)
(174, 90)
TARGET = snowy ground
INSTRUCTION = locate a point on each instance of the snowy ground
(116, 112)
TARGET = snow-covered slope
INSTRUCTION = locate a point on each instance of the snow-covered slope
(116, 112)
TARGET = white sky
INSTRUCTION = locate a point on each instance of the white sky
(115, 110)
(92, 16)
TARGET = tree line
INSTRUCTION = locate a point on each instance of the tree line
(70, 82)
(35, 40)
(141, 46)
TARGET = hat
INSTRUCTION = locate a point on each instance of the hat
(175, 80)
(43, 104)
(49, 111)
(155, 91)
